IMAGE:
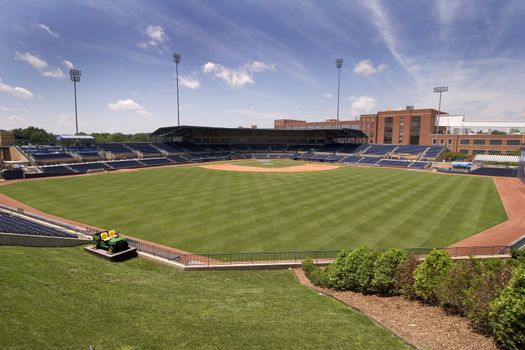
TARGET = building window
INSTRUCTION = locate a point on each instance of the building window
(464, 142)
(441, 141)
(494, 152)
(415, 129)
(478, 151)
(496, 142)
(433, 141)
(479, 142)
(513, 142)
(449, 141)
(464, 151)
(389, 122)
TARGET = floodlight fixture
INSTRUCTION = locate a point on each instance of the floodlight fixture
(74, 75)
(176, 58)
(440, 90)
(338, 64)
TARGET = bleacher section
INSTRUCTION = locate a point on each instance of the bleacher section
(125, 164)
(156, 161)
(15, 224)
(134, 155)
(433, 152)
(118, 150)
(87, 167)
(369, 160)
(86, 152)
(379, 150)
(47, 154)
(145, 149)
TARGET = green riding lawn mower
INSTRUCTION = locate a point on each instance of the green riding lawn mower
(110, 241)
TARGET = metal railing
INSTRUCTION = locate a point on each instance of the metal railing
(288, 257)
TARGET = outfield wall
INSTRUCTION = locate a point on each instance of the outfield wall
(40, 241)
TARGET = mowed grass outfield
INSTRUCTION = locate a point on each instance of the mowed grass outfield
(67, 299)
(202, 210)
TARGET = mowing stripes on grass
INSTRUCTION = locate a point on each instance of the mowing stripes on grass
(67, 299)
(202, 210)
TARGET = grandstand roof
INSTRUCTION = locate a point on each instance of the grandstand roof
(185, 130)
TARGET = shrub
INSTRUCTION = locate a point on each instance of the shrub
(343, 272)
(495, 276)
(316, 275)
(454, 290)
(386, 271)
(365, 273)
(405, 277)
(430, 273)
(519, 254)
(507, 315)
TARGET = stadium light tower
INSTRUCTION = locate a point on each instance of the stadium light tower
(338, 64)
(176, 58)
(439, 89)
(74, 74)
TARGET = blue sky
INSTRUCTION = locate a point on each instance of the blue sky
(250, 62)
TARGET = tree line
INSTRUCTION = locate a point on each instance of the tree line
(38, 136)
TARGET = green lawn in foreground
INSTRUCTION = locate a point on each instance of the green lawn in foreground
(67, 299)
(203, 210)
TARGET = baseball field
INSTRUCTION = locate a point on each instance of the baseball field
(204, 211)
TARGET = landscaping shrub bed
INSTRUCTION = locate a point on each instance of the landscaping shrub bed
(490, 293)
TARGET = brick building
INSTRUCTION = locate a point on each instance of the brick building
(418, 127)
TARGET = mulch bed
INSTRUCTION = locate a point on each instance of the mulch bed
(423, 326)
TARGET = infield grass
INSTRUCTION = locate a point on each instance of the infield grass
(75, 300)
(201, 210)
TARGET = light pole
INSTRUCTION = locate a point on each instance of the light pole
(338, 64)
(439, 89)
(74, 74)
(176, 58)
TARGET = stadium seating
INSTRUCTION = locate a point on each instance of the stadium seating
(123, 164)
(146, 149)
(411, 149)
(168, 148)
(350, 159)
(85, 167)
(15, 224)
(48, 154)
(433, 152)
(506, 172)
(369, 160)
(179, 159)
(86, 152)
(395, 163)
(57, 169)
(156, 161)
(117, 149)
(419, 165)
(379, 150)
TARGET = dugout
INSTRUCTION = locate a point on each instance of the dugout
(201, 135)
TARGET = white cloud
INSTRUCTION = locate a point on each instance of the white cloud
(328, 95)
(189, 82)
(33, 60)
(366, 67)
(128, 105)
(237, 77)
(46, 28)
(16, 91)
(362, 104)
(68, 64)
(39, 64)
(53, 73)
(155, 36)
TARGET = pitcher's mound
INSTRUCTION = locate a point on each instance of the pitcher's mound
(254, 169)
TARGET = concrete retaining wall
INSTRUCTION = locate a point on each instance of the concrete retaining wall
(40, 241)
